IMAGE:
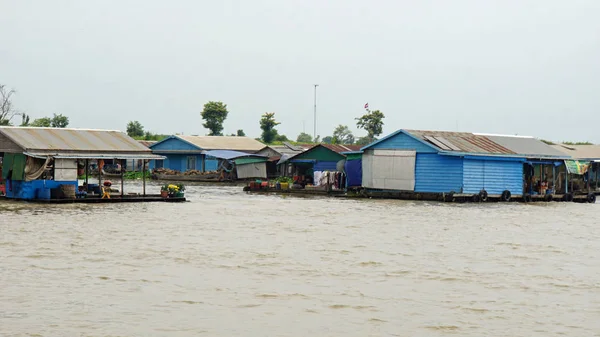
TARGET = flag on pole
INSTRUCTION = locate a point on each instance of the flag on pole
(366, 105)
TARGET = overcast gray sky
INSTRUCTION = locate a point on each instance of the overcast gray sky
(506, 66)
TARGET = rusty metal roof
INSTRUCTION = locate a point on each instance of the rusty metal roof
(463, 141)
(61, 141)
(146, 143)
(339, 148)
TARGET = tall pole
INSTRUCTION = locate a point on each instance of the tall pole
(315, 126)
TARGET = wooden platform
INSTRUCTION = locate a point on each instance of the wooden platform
(98, 200)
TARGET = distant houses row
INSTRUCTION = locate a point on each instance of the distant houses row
(407, 160)
(412, 161)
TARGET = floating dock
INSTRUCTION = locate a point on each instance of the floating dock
(98, 200)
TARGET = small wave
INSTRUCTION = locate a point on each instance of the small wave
(188, 302)
(479, 310)
(339, 306)
(312, 311)
(249, 305)
(370, 263)
(363, 307)
(397, 273)
(377, 320)
(442, 327)
(268, 296)
(36, 256)
(104, 278)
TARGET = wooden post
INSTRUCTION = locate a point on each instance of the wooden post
(87, 173)
(553, 179)
(144, 175)
(566, 180)
(99, 174)
(596, 177)
(122, 167)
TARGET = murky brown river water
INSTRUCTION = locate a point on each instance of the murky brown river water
(231, 264)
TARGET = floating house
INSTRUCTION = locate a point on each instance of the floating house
(321, 157)
(585, 166)
(37, 162)
(184, 153)
(276, 153)
(458, 162)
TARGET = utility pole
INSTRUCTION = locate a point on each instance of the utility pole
(315, 125)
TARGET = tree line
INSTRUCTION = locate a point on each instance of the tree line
(8, 113)
(214, 115)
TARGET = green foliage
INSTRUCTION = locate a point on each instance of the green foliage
(372, 122)
(25, 120)
(44, 122)
(214, 115)
(317, 140)
(59, 121)
(268, 124)
(281, 138)
(241, 133)
(135, 129)
(578, 143)
(151, 136)
(342, 135)
(328, 140)
(304, 138)
(283, 180)
(136, 175)
(364, 141)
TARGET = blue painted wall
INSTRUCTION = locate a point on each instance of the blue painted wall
(494, 176)
(28, 190)
(211, 164)
(325, 166)
(436, 173)
(179, 162)
(404, 142)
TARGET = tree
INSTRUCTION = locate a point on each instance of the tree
(44, 122)
(281, 138)
(241, 133)
(268, 124)
(304, 138)
(214, 114)
(25, 120)
(328, 140)
(317, 139)
(135, 129)
(342, 135)
(60, 121)
(7, 111)
(372, 122)
(363, 141)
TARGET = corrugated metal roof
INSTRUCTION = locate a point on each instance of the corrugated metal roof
(228, 154)
(281, 149)
(526, 146)
(579, 151)
(55, 140)
(147, 143)
(464, 141)
(224, 143)
(339, 148)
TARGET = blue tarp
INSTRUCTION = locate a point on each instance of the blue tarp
(353, 170)
(229, 155)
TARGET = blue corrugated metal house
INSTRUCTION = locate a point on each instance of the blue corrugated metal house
(184, 153)
(443, 162)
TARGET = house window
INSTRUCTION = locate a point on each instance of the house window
(191, 162)
(159, 163)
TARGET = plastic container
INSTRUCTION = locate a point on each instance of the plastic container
(285, 186)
